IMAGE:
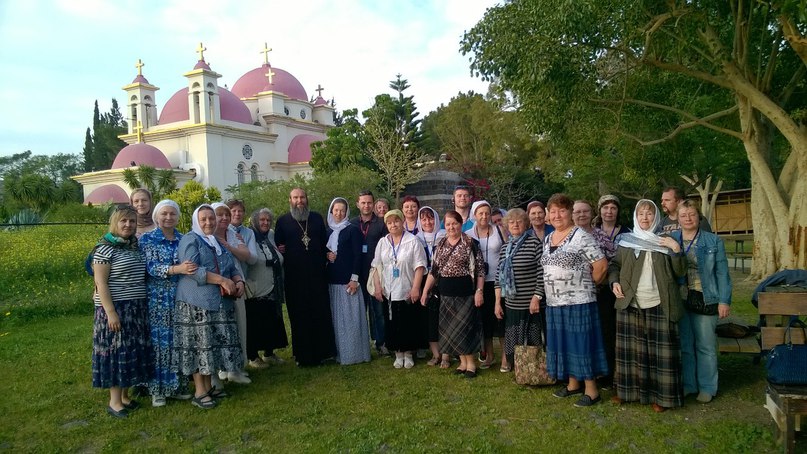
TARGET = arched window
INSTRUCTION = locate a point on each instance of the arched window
(253, 171)
(240, 172)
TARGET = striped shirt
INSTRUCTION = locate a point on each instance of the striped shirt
(127, 273)
(527, 273)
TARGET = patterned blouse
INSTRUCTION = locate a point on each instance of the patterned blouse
(127, 273)
(567, 269)
(606, 244)
(455, 261)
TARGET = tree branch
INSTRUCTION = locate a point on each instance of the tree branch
(681, 69)
(695, 121)
(794, 37)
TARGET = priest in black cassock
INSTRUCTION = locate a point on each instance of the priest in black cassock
(301, 237)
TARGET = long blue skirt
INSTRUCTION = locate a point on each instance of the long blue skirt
(574, 345)
(122, 358)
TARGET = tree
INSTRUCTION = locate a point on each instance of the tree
(398, 165)
(158, 182)
(735, 68)
(189, 197)
(39, 181)
(345, 146)
(103, 145)
(406, 122)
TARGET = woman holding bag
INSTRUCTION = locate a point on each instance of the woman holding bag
(707, 298)
(519, 280)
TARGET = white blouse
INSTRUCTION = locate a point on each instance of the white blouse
(408, 256)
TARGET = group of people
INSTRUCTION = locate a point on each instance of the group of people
(633, 309)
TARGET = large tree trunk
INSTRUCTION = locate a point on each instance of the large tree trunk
(779, 208)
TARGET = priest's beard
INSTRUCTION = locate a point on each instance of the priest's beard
(299, 214)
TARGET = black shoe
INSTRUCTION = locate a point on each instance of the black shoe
(565, 392)
(204, 405)
(470, 374)
(459, 372)
(122, 414)
(132, 405)
(587, 401)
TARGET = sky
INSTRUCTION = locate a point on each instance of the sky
(58, 56)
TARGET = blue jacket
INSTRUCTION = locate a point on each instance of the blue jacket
(193, 288)
(713, 267)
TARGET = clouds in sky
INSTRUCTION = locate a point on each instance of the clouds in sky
(58, 56)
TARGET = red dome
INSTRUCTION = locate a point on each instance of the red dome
(300, 148)
(232, 108)
(106, 194)
(320, 101)
(256, 81)
(141, 154)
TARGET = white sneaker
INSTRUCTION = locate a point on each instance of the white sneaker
(257, 364)
(408, 362)
(222, 375)
(238, 377)
(399, 361)
(158, 401)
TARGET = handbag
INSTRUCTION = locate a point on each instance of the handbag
(530, 365)
(787, 363)
(695, 304)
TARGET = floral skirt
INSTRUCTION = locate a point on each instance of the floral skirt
(122, 358)
(205, 341)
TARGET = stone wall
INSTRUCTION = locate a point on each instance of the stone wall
(435, 189)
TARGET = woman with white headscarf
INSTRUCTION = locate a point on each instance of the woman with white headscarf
(490, 238)
(347, 300)
(430, 235)
(159, 246)
(644, 277)
(205, 333)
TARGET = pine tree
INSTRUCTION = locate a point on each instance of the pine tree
(407, 124)
(89, 155)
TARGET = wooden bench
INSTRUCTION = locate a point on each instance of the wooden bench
(748, 345)
(787, 404)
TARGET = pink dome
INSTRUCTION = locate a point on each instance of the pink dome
(232, 108)
(140, 79)
(201, 64)
(300, 148)
(320, 101)
(141, 154)
(106, 194)
(255, 81)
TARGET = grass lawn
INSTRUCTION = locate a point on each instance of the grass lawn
(48, 405)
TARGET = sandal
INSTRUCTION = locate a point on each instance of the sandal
(445, 364)
(204, 404)
(433, 362)
(505, 369)
(217, 393)
(487, 363)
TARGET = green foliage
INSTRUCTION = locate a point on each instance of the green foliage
(189, 197)
(43, 271)
(622, 89)
(321, 188)
(24, 217)
(158, 182)
(345, 146)
(101, 147)
(78, 212)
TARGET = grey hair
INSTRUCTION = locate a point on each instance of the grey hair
(257, 214)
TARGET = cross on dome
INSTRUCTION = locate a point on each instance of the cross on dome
(201, 51)
(319, 90)
(139, 131)
(139, 65)
(265, 52)
(270, 75)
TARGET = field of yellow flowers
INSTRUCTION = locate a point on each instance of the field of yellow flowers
(42, 271)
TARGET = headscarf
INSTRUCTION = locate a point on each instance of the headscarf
(336, 227)
(436, 233)
(255, 219)
(160, 206)
(641, 239)
(197, 229)
(144, 221)
(608, 198)
(476, 205)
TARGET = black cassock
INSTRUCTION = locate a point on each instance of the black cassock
(307, 298)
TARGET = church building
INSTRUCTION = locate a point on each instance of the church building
(261, 129)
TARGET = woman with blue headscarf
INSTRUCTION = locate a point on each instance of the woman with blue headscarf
(644, 277)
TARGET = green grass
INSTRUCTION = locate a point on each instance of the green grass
(48, 404)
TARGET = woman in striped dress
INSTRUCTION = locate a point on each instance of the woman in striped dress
(520, 281)
(121, 354)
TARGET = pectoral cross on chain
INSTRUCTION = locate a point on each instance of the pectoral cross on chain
(305, 239)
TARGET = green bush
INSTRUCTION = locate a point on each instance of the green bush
(78, 212)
